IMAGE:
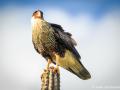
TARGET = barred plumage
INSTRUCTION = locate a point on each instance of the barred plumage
(53, 43)
(43, 36)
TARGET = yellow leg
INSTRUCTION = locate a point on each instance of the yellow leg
(48, 63)
(57, 62)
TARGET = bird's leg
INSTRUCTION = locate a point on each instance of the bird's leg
(48, 63)
(57, 57)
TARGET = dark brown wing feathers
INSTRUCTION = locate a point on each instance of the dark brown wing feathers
(65, 38)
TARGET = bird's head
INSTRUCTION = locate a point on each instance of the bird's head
(37, 15)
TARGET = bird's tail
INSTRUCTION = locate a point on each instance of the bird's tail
(75, 66)
(82, 73)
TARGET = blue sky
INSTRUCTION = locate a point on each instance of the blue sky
(95, 25)
(95, 7)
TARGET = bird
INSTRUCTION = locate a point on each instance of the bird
(56, 45)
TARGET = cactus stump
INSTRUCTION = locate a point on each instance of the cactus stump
(50, 79)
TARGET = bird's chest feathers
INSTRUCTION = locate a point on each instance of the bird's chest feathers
(42, 35)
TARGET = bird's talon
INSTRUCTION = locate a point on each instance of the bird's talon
(56, 70)
(48, 64)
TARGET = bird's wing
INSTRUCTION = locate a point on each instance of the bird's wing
(71, 60)
(65, 38)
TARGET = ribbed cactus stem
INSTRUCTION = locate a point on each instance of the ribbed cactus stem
(45, 80)
(50, 79)
(56, 81)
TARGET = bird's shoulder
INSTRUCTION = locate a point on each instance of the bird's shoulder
(65, 38)
(60, 33)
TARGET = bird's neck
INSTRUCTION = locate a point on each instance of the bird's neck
(36, 23)
(37, 28)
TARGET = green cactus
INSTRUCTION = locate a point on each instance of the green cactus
(50, 79)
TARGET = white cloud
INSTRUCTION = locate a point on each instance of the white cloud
(98, 44)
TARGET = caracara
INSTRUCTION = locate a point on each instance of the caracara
(56, 46)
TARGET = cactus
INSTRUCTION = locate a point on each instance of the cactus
(50, 79)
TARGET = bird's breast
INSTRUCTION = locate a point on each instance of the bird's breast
(43, 36)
